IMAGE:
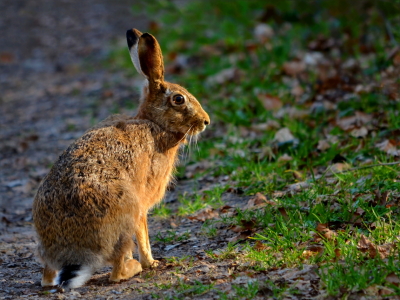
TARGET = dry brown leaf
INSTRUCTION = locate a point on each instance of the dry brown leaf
(225, 209)
(259, 200)
(297, 91)
(244, 226)
(393, 279)
(389, 147)
(381, 198)
(339, 167)
(283, 212)
(261, 247)
(384, 291)
(226, 75)
(294, 68)
(241, 236)
(291, 112)
(204, 214)
(309, 253)
(323, 145)
(338, 252)
(359, 119)
(262, 127)
(299, 186)
(285, 158)
(365, 245)
(356, 217)
(263, 33)
(316, 248)
(360, 132)
(325, 232)
(284, 135)
(270, 102)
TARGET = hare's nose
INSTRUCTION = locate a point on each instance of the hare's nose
(206, 122)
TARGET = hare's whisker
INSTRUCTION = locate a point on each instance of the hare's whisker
(196, 138)
(184, 136)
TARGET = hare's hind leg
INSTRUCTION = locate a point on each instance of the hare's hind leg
(49, 276)
(124, 266)
(124, 269)
(142, 237)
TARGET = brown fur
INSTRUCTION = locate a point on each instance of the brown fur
(97, 195)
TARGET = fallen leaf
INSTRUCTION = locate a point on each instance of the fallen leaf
(356, 217)
(270, 102)
(381, 198)
(204, 214)
(365, 245)
(258, 201)
(225, 209)
(316, 248)
(359, 119)
(285, 158)
(226, 75)
(392, 278)
(263, 33)
(386, 291)
(291, 112)
(323, 145)
(339, 167)
(309, 253)
(338, 252)
(259, 246)
(297, 91)
(284, 135)
(299, 186)
(241, 236)
(263, 127)
(283, 212)
(325, 232)
(388, 147)
(359, 132)
(294, 68)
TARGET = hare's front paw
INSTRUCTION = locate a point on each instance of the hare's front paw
(150, 263)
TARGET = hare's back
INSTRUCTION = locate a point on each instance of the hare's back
(99, 163)
(90, 185)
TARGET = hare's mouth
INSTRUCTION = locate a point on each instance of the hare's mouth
(196, 129)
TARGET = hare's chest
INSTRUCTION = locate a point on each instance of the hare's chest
(161, 167)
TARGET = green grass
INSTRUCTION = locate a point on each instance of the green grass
(170, 236)
(218, 35)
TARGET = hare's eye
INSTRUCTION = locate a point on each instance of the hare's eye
(178, 100)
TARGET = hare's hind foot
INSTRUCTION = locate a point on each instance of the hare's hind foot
(125, 269)
(49, 276)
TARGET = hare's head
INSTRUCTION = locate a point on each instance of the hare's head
(168, 105)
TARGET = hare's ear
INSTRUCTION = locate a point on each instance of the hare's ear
(146, 55)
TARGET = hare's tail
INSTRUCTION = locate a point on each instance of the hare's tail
(73, 276)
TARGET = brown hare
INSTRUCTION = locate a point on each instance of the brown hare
(97, 195)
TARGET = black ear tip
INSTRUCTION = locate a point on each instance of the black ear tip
(131, 38)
